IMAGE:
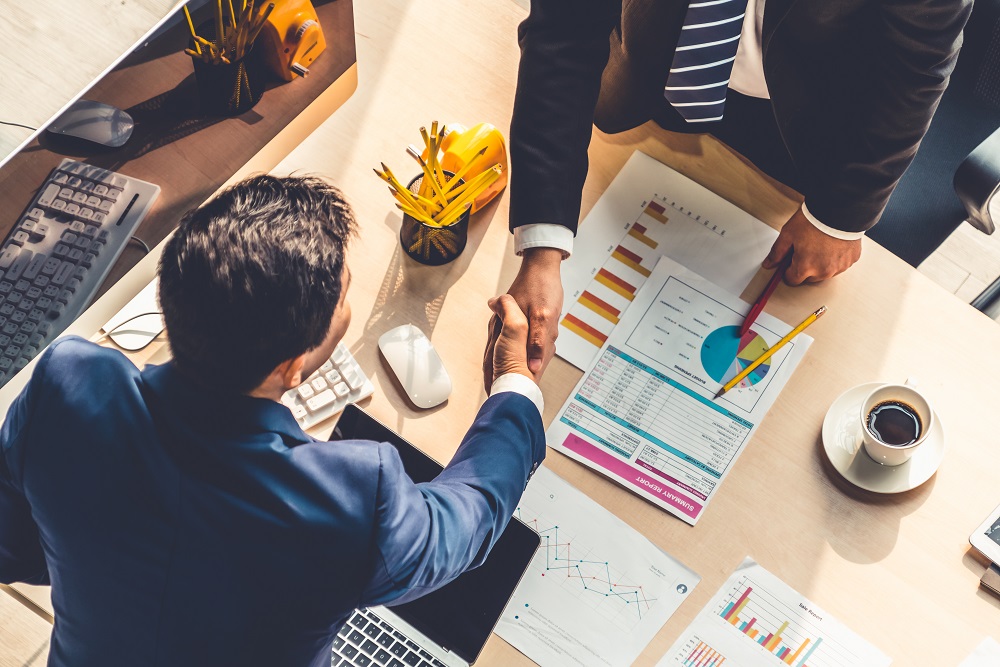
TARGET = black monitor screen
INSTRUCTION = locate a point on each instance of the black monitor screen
(461, 615)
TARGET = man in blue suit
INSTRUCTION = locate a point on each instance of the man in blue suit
(181, 515)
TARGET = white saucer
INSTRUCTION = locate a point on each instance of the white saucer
(842, 445)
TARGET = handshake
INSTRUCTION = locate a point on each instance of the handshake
(523, 329)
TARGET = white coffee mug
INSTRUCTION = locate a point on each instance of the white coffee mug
(908, 396)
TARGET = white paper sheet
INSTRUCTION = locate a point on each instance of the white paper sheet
(757, 619)
(597, 591)
(987, 654)
(650, 211)
(644, 413)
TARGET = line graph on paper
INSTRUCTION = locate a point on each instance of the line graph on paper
(596, 591)
(580, 567)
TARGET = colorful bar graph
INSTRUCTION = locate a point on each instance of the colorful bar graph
(731, 607)
(771, 641)
(600, 306)
(631, 260)
(615, 284)
(656, 212)
(638, 232)
(584, 330)
(704, 655)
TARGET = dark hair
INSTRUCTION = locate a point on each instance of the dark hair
(252, 278)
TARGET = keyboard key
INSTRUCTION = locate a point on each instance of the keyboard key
(320, 401)
(306, 391)
(8, 256)
(382, 657)
(411, 659)
(49, 194)
(63, 273)
(369, 647)
(373, 630)
(349, 651)
(333, 377)
(398, 649)
(19, 264)
(356, 637)
(318, 384)
(385, 640)
(395, 663)
(358, 621)
(341, 390)
(362, 660)
(35, 265)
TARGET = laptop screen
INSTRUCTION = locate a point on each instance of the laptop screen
(461, 615)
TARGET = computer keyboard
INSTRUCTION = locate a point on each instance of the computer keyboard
(367, 640)
(338, 382)
(59, 252)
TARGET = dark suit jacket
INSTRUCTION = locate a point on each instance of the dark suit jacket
(853, 83)
(182, 527)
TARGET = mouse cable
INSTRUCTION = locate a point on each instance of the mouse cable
(27, 127)
(142, 243)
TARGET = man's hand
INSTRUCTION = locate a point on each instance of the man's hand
(507, 350)
(537, 290)
(818, 256)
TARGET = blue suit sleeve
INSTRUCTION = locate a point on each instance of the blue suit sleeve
(21, 555)
(428, 534)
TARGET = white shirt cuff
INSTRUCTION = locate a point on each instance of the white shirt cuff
(830, 231)
(543, 235)
(519, 384)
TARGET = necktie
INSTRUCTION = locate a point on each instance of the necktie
(703, 61)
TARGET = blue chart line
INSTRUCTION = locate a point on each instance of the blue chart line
(593, 575)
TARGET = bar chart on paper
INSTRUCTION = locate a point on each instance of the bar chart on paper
(650, 211)
(596, 590)
(758, 619)
(600, 304)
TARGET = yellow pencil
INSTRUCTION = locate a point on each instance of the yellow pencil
(488, 177)
(767, 355)
(187, 14)
(453, 181)
(220, 27)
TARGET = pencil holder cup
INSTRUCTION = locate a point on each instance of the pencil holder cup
(432, 245)
(228, 90)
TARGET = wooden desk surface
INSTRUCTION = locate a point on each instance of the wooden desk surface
(885, 566)
(24, 636)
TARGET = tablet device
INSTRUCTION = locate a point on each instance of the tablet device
(987, 537)
(461, 615)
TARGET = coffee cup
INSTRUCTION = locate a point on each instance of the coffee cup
(896, 420)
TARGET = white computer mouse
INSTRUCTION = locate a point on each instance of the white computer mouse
(416, 365)
(93, 121)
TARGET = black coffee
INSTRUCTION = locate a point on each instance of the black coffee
(894, 423)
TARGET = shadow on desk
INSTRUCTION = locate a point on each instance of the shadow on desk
(412, 293)
(867, 523)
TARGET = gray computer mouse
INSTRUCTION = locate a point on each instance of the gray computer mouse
(93, 121)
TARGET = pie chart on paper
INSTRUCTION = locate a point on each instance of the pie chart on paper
(724, 354)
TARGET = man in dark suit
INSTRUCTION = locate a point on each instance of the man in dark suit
(832, 98)
(181, 515)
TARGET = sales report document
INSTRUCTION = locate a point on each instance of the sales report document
(644, 414)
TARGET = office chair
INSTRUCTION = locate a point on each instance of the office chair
(963, 142)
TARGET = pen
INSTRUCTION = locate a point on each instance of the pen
(767, 355)
(758, 305)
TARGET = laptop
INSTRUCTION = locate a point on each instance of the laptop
(446, 628)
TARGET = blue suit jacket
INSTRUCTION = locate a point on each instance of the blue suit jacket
(183, 528)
